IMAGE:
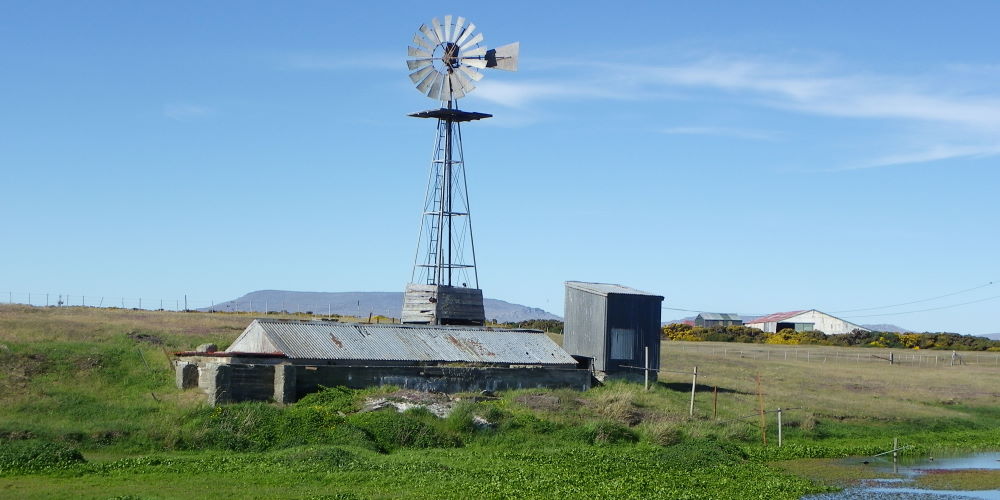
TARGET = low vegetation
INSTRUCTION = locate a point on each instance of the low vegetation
(857, 338)
(88, 409)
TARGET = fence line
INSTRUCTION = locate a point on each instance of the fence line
(184, 303)
(855, 355)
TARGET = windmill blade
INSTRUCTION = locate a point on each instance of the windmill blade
(437, 30)
(476, 52)
(420, 74)
(472, 61)
(472, 41)
(451, 90)
(425, 85)
(471, 73)
(458, 82)
(447, 28)
(419, 40)
(415, 52)
(429, 34)
(465, 34)
(435, 91)
(504, 57)
(458, 28)
(418, 63)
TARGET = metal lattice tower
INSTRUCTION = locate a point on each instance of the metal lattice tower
(444, 285)
(446, 251)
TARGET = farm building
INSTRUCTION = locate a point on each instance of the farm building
(613, 325)
(717, 319)
(804, 321)
(283, 360)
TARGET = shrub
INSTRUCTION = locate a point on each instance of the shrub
(391, 430)
(240, 427)
(36, 456)
(333, 399)
(664, 433)
(606, 432)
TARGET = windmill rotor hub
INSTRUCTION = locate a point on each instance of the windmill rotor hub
(450, 56)
(446, 58)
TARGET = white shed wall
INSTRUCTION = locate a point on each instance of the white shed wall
(823, 322)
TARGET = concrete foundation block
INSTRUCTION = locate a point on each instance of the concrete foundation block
(284, 384)
(217, 380)
(186, 375)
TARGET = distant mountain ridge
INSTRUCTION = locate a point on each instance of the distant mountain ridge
(387, 304)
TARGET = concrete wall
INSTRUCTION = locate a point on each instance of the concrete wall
(287, 383)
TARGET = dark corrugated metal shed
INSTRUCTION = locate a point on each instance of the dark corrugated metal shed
(717, 319)
(613, 324)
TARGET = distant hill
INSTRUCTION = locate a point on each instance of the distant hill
(887, 327)
(993, 336)
(387, 304)
(881, 327)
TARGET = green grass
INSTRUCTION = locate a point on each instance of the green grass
(99, 381)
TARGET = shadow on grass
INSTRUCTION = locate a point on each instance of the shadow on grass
(686, 387)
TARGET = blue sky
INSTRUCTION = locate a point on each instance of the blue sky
(744, 157)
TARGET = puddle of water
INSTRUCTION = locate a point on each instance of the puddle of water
(913, 467)
(978, 461)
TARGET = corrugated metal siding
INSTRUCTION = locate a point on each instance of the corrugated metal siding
(341, 341)
(594, 320)
(606, 288)
(640, 314)
(772, 318)
(720, 316)
(586, 323)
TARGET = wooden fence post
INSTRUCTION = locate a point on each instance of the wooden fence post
(645, 372)
(694, 385)
(715, 402)
(779, 427)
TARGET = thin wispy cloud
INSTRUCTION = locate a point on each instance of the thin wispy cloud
(933, 153)
(523, 94)
(760, 135)
(950, 102)
(186, 111)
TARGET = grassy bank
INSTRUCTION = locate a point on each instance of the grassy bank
(99, 382)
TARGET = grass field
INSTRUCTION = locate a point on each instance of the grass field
(98, 381)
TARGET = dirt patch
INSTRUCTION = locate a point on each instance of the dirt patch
(145, 338)
(88, 363)
(21, 368)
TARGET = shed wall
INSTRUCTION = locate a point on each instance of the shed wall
(824, 322)
(585, 325)
(287, 383)
(639, 314)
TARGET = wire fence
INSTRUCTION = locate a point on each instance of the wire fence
(852, 355)
(186, 303)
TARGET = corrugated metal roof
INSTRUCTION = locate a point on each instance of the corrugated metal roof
(348, 341)
(607, 288)
(720, 316)
(774, 318)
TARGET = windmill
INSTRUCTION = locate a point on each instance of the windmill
(444, 60)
